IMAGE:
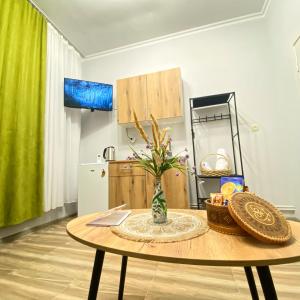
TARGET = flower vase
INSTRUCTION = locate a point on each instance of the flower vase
(159, 204)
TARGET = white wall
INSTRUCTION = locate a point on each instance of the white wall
(235, 57)
(283, 28)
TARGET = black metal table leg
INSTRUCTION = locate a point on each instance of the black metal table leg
(267, 284)
(97, 269)
(251, 283)
(122, 277)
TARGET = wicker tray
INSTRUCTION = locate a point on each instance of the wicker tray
(215, 172)
(219, 219)
(259, 218)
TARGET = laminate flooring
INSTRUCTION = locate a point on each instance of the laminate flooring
(48, 264)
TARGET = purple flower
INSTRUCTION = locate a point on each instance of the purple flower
(177, 174)
(149, 146)
(183, 159)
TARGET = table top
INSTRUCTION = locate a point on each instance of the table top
(211, 248)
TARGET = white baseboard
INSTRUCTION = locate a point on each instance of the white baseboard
(50, 216)
(286, 208)
(289, 211)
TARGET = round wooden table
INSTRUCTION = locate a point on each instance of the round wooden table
(210, 249)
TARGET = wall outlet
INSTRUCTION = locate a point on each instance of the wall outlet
(254, 127)
(132, 140)
(99, 159)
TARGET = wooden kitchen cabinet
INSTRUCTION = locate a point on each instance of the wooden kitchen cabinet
(134, 186)
(125, 168)
(132, 95)
(127, 189)
(127, 184)
(159, 93)
(174, 187)
(164, 94)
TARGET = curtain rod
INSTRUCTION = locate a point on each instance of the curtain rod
(52, 23)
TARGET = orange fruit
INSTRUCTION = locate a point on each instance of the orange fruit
(228, 188)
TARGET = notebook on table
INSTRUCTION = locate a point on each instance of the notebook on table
(114, 218)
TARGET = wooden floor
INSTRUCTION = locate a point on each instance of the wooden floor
(47, 264)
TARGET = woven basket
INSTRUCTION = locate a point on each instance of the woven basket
(263, 221)
(219, 219)
(214, 172)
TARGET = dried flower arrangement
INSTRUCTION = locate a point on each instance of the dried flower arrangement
(156, 161)
(159, 159)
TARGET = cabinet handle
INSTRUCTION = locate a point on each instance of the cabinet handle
(125, 168)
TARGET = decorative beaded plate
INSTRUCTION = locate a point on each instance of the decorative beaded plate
(180, 226)
(259, 218)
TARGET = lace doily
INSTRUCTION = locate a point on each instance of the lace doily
(180, 226)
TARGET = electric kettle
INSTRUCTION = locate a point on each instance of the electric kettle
(109, 153)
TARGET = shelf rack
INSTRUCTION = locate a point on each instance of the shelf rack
(201, 103)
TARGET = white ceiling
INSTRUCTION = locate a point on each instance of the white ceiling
(93, 26)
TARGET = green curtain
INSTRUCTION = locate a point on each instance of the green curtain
(23, 46)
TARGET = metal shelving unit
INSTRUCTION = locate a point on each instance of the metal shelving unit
(231, 115)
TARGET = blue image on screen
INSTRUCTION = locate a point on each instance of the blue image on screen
(87, 94)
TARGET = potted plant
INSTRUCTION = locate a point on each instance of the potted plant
(156, 160)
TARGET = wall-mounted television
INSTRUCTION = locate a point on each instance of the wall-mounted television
(87, 94)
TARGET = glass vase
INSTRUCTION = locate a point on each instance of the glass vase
(159, 204)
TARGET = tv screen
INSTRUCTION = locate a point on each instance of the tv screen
(87, 94)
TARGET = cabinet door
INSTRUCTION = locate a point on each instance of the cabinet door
(132, 96)
(164, 90)
(138, 197)
(127, 189)
(174, 187)
(114, 199)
